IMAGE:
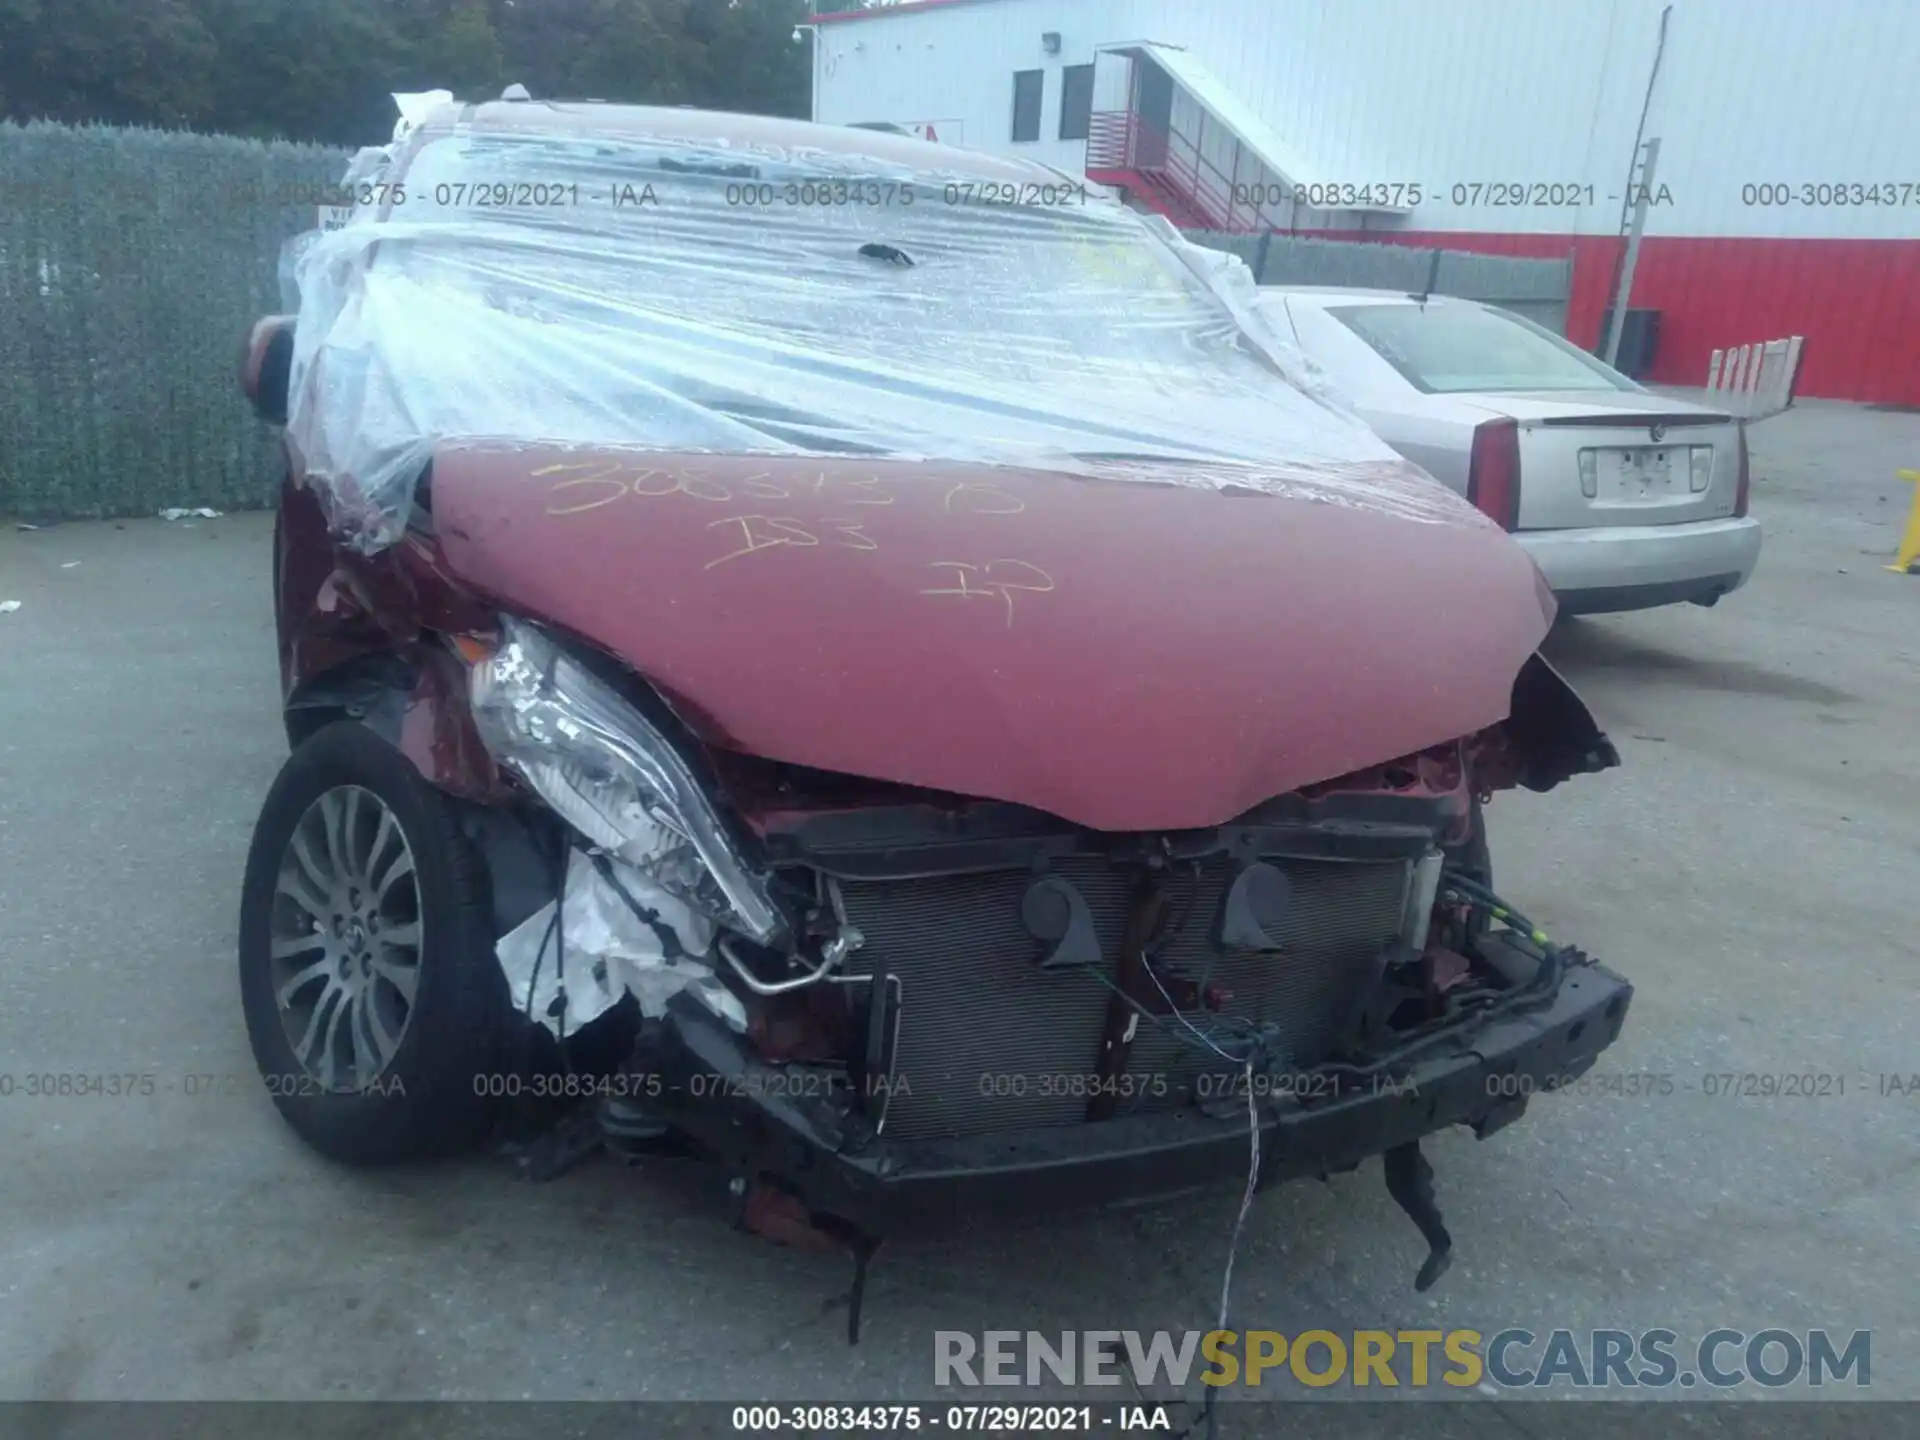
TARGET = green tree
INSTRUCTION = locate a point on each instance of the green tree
(464, 51)
(305, 69)
(324, 69)
(755, 58)
(451, 44)
(632, 50)
(150, 62)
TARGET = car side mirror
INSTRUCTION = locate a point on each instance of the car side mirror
(266, 367)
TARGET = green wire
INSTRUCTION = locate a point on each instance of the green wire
(1539, 937)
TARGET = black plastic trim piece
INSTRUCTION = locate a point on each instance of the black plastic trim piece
(1610, 599)
(1552, 730)
(373, 688)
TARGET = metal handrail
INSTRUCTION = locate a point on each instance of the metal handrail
(1756, 380)
(1110, 140)
(1121, 139)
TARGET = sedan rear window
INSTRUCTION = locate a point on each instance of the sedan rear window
(1448, 349)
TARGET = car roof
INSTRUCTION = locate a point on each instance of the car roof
(1324, 295)
(763, 134)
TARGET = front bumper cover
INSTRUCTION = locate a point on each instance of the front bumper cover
(1481, 1073)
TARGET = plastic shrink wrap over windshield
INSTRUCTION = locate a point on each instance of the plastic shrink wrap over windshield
(634, 285)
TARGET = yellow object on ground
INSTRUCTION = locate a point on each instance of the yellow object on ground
(1910, 542)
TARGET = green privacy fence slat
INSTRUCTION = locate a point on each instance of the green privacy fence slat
(131, 264)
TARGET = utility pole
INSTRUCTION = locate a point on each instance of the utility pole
(1639, 191)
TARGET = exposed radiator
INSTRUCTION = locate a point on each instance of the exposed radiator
(976, 1007)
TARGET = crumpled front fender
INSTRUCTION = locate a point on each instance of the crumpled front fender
(1549, 736)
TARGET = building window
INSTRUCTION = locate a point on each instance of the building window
(1028, 86)
(1076, 101)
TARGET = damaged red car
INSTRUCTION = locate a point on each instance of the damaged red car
(901, 644)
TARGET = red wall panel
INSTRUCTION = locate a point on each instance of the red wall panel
(1857, 302)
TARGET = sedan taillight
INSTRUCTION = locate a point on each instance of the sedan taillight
(1493, 472)
(1743, 478)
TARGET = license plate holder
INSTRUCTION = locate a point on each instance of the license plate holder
(1638, 475)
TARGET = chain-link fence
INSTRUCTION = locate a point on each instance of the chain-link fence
(131, 264)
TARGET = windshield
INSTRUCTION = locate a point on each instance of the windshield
(627, 292)
(763, 285)
(1448, 349)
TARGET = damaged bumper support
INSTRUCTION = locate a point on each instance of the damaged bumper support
(617, 933)
(659, 893)
(710, 1085)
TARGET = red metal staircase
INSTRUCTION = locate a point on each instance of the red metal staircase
(1160, 174)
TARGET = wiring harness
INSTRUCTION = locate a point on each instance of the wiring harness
(1253, 1048)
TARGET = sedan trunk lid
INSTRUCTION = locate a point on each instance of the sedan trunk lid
(1614, 457)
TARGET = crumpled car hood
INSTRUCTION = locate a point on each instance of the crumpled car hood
(1142, 647)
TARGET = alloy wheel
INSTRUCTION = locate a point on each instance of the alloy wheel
(345, 937)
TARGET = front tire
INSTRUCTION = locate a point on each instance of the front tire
(367, 977)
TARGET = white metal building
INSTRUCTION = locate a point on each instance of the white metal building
(1785, 196)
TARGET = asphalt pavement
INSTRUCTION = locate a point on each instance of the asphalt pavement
(1754, 868)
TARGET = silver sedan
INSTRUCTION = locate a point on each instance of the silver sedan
(1625, 498)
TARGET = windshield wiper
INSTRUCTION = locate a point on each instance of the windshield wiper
(892, 254)
(725, 170)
